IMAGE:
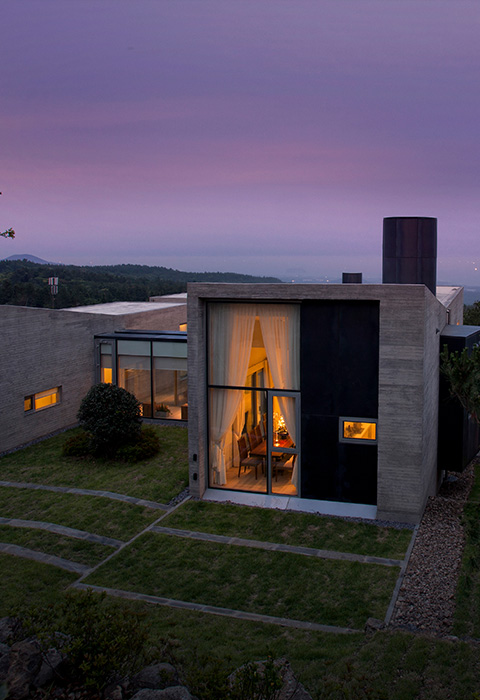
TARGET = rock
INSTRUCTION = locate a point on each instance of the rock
(51, 661)
(158, 676)
(4, 661)
(25, 663)
(8, 626)
(113, 691)
(373, 625)
(176, 692)
(291, 688)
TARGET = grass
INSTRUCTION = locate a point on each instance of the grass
(95, 514)
(301, 529)
(271, 583)
(157, 479)
(467, 609)
(80, 551)
(25, 583)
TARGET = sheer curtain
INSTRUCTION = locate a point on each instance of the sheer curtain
(231, 334)
(280, 324)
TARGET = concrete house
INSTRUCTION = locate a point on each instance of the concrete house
(325, 397)
(51, 357)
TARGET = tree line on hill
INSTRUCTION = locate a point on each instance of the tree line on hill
(24, 283)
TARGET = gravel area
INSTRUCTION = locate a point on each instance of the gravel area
(426, 601)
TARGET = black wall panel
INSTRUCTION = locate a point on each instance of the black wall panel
(339, 377)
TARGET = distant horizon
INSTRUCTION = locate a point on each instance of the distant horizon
(301, 277)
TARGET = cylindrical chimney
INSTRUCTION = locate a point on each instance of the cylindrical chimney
(351, 278)
(410, 251)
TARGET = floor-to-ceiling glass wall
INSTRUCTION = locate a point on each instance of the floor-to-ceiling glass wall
(253, 397)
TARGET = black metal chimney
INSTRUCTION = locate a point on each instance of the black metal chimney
(351, 278)
(410, 251)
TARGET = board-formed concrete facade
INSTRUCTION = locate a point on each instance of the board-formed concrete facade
(411, 319)
(46, 348)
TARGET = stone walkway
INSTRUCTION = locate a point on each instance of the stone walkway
(213, 610)
(274, 547)
(26, 553)
(62, 530)
(87, 492)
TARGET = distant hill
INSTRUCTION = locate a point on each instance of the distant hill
(24, 283)
(29, 258)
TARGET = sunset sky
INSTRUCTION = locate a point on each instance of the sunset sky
(260, 136)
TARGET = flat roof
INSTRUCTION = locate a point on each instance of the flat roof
(120, 308)
(166, 336)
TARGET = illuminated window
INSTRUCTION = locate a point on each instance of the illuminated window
(182, 327)
(35, 402)
(358, 429)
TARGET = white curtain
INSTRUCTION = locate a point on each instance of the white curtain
(231, 334)
(280, 324)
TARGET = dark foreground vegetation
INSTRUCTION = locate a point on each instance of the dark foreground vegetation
(24, 283)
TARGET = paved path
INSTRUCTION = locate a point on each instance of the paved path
(25, 553)
(87, 492)
(62, 530)
(213, 610)
(274, 547)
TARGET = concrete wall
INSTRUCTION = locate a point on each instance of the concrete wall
(42, 349)
(408, 383)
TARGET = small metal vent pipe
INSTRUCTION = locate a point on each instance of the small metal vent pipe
(410, 251)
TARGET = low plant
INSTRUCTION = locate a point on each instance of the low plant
(147, 445)
(99, 637)
(78, 445)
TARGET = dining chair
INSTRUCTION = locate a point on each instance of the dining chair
(247, 461)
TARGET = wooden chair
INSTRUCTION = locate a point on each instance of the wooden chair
(246, 461)
(286, 463)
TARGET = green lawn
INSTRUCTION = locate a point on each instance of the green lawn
(24, 583)
(271, 583)
(301, 529)
(157, 479)
(387, 665)
(80, 551)
(95, 514)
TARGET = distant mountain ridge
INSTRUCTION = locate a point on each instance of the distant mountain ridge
(30, 258)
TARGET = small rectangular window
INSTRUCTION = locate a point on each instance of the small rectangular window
(358, 429)
(43, 399)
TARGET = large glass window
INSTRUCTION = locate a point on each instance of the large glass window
(253, 356)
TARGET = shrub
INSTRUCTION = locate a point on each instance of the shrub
(78, 445)
(101, 638)
(147, 445)
(111, 415)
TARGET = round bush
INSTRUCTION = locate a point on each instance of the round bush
(111, 415)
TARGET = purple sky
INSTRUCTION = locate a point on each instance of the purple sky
(259, 136)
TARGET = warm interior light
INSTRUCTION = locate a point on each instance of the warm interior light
(354, 430)
(182, 327)
(46, 398)
(107, 375)
(27, 403)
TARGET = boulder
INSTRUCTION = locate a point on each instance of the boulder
(4, 661)
(156, 676)
(25, 663)
(51, 661)
(176, 692)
